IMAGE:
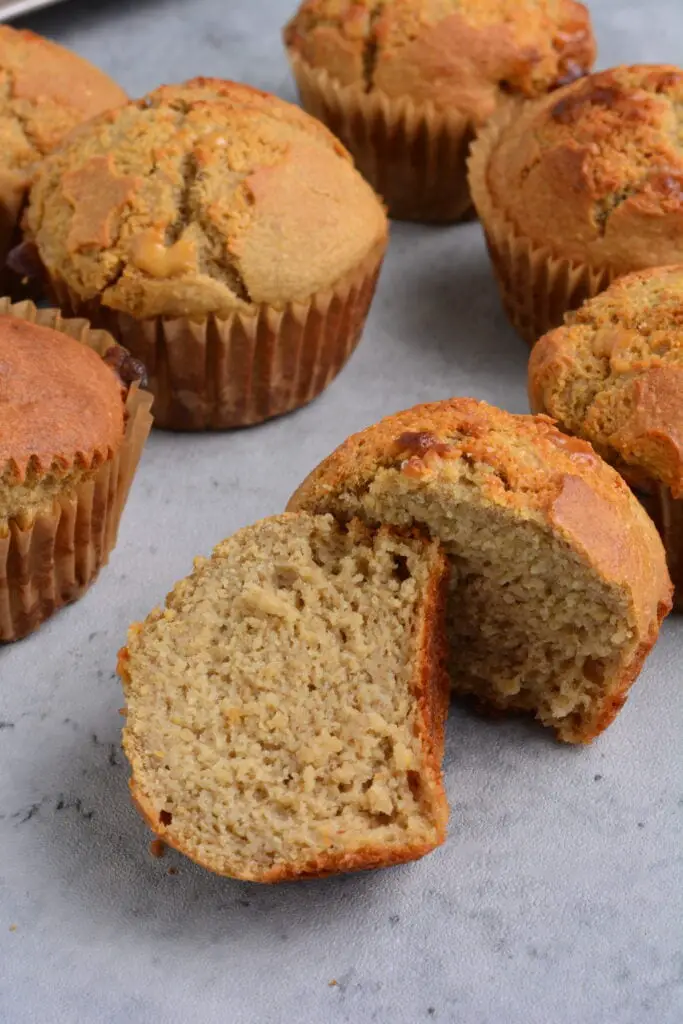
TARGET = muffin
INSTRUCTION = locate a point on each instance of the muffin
(613, 374)
(285, 711)
(584, 185)
(223, 236)
(74, 422)
(47, 90)
(558, 577)
(406, 84)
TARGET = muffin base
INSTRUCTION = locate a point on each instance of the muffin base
(51, 559)
(218, 374)
(415, 157)
(537, 287)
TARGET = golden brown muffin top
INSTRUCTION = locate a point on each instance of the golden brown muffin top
(61, 405)
(614, 375)
(523, 463)
(467, 55)
(45, 90)
(595, 171)
(202, 198)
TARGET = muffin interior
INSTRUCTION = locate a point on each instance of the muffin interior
(272, 713)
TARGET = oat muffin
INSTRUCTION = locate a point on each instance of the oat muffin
(406, 84)
(613, 374)
(73, 422)
(285, 711)
(223, 236)
(558, 577)
(584, 185)
(46, 91)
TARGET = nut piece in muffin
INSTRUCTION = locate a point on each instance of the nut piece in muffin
(46, 91)
(285, 711)
(72, 426)
(558, 577)
(406, 84)
(613, 374)
(224, 236)
(584, 185)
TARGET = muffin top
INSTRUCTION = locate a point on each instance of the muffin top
(46, 91)
(202, 198)
(520, 463)
(467, 55)
(61, 405)
(614, 375)
(594, 172)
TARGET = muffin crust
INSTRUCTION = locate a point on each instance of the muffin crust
(62, 414)
(613, 374)
(200, 199)
(451, 53)
(594, 173)
(45, 91)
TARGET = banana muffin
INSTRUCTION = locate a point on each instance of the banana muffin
(613, 374)
(222, 235)
(285, 711)
(406, 84)
(46, 91)
(73, 422)
(558, 577)
(584, 185)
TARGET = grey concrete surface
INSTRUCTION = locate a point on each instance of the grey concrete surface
(558, 898)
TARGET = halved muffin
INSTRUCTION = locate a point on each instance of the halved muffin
(558, 577)
(285, 710)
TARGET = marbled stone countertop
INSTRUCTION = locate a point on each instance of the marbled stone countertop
(559, 896)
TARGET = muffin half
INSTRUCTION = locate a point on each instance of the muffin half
(47, 91)
(613, 374)
(558, 577)
(74, 422)
(582, 186)
(406, 84)
(285, 711)
(224, 237)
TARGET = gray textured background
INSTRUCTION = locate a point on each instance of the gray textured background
(558, 898)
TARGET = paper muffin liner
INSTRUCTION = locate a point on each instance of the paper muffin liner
(49, 560)
(217, 374)
(537, 288)
(413, 155)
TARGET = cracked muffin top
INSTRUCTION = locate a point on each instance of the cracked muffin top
(613, 374)
(469, 55)
(595, 171)
(202, 198)
(45, 90)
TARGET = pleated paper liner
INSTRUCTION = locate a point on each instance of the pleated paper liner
(248, 368)
(537, 288)
(51, 559)
(413, 155)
